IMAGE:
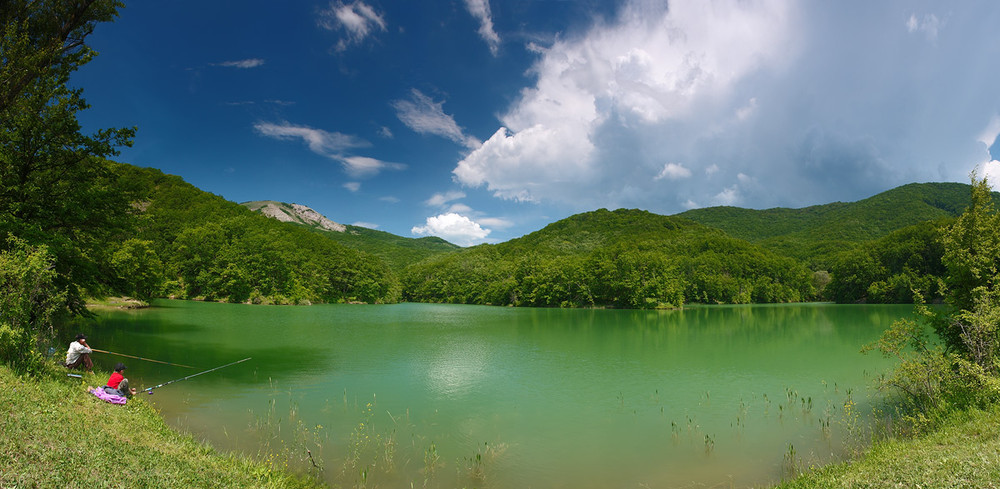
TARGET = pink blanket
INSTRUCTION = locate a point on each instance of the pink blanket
(104, 396)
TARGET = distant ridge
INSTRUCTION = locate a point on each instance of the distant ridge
(855, 222)
(296, 213)
(816, 234)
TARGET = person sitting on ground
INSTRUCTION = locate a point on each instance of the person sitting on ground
(118, 384)
(78, 354)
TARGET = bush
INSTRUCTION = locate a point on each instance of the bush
(29, 304)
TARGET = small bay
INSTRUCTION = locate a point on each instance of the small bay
(458, 396)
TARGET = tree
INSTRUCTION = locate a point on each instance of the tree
(56, 187)
(963, 371)
(45, 37)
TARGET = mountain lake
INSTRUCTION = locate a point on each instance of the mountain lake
(451, 396)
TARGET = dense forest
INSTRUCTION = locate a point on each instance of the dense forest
(878, 250)
(192, 244)
(622, 258)
(817, 234)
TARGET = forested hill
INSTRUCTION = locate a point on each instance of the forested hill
(816, 234)
(397, 251)
(863, 220)
(196, 245)
(623, 258)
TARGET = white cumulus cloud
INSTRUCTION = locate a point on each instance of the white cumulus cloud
(568, 133)
(453, 227)
(759, 103)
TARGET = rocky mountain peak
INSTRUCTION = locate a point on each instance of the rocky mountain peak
(296, 213)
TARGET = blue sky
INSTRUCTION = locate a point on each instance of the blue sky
(483, 120)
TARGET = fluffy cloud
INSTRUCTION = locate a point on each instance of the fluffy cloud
(480, 9)
(352, 186)
(357, 19)
(653, 66)
(744, 92)
(425, 116)
(990, 169)
(991, 172)
(453, 227)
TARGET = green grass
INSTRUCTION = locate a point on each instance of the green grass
(963, 453)
(53, 433)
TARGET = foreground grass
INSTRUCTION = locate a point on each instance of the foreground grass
(963, 453)
(55, 434)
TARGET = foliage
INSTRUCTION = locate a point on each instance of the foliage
(397, 251)
(212, 249)
(30, 303)
(961, 372)
(817, 234)
(56, 188)
(623, 258)
(890, 269)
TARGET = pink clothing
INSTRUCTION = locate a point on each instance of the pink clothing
(104, 396)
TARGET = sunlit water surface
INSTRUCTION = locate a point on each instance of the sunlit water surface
(461, 396)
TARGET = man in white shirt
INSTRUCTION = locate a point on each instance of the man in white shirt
(78, 354)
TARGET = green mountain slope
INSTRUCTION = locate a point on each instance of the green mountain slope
(816, 233)
(397, 251)
(196, 245)
(623, 258)
(863, 220)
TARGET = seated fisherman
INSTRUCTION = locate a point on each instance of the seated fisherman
(78, 354)
(118, 384)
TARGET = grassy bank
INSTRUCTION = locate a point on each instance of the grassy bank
(963, 453)
(53, 433)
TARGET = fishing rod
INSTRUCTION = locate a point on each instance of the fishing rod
(141, 358)
(150, 389)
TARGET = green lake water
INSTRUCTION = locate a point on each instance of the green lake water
(450, 396)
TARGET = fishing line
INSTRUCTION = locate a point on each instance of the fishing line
(150, 389)
(141, 358)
